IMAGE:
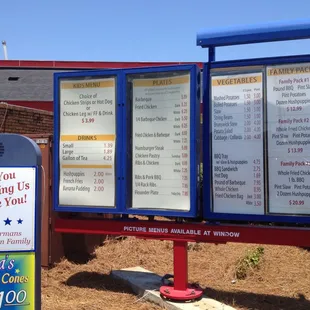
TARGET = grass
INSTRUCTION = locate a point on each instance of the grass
(251, 261)
(282, 280)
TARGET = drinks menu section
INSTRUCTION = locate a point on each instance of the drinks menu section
(87, 142)
(288, 106)
(161, 143)
(237, 143)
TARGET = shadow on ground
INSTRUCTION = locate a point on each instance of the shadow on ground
(246, 300)
(254, 301)
(97, 281)
(78, 249)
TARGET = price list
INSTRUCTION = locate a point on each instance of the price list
(87, 143)
(161, 143)
(237, 143)
(288, 96)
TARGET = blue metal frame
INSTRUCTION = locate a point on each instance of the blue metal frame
(194, 133)
(25, 153)
(37, 234)
(208, 214)
(274, 31)
(118, 153)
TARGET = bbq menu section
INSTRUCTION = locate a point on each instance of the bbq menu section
(288, 106)
(237, 143)
(161, 143)
(87, 142)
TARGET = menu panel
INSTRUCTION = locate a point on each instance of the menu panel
(161, 143)
(237, 143)
(87, 142)
(288, 106)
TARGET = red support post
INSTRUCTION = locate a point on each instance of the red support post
(180, 265)
(180, 289)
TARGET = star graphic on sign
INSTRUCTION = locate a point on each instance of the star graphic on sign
(17, 271)
(20, 221)
(7, 221)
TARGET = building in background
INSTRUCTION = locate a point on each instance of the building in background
(30, 83)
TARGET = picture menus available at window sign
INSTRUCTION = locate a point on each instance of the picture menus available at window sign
(237, 143)
(87, 142)
(288, 110)
(161, 142)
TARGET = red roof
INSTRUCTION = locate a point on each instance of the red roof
(84, 64)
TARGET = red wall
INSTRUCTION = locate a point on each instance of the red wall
(24, 120)
(43, 105)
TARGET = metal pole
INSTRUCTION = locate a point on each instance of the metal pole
(5, 51)
(211, 54)
(180, 265)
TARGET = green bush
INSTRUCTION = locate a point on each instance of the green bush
(249, 262)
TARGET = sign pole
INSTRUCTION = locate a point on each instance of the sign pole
(180, 265)
(180, 289)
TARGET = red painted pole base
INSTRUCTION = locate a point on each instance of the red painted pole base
(180, 289)
(191, 293)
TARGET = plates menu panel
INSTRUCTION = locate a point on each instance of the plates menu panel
(161, 142)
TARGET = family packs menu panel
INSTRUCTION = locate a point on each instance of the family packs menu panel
(288, 108)
(161, 142)
(87, 142)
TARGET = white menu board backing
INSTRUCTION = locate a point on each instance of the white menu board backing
(87, 142)
(237, 143)
(17, 203)
(288, 108)
(161, 143)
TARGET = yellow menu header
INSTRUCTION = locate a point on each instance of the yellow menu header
(288, 70)
(237, 80)
(161, 82)
(87, 138)
(88, 84)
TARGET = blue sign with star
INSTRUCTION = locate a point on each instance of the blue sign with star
(18, 187)
(20, 223)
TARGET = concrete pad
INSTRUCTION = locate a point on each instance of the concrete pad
(146, 285)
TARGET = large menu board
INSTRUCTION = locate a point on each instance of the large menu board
(237, 143)
(161, 142)
(288, 107)
(87, 142)
(260, 129)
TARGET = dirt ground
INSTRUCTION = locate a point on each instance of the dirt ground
(281, 282)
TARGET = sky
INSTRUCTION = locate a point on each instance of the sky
(139, 30)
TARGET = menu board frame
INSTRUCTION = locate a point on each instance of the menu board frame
(242, 66)
(79, 77)
(194, 129)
